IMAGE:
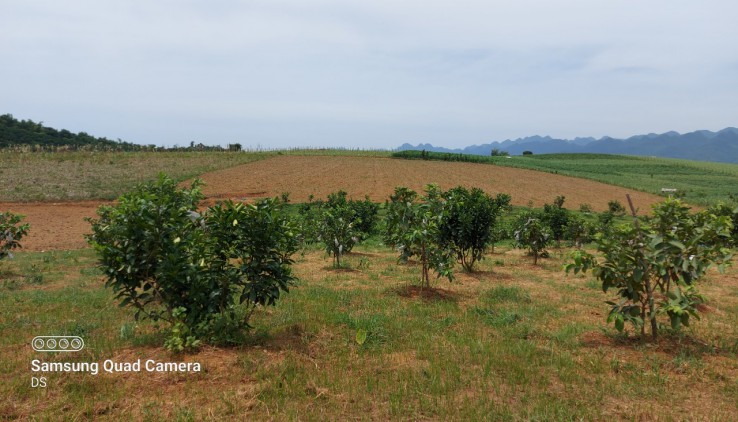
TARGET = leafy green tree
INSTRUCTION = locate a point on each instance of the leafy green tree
(577, 231)
(556, 217)
(400, 215)
(337, 231)
(364, 213)
(531, 233)
(467, 222)
(722, 209)
(666, 256)
(11, 233)
(413, 228)
(204, 274)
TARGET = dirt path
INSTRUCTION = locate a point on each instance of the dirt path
(62, 226)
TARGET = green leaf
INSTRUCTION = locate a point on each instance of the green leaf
(361, 335)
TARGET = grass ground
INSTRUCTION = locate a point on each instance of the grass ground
(513, 341)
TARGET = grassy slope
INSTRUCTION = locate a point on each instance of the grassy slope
(513, 342)
(700, 182)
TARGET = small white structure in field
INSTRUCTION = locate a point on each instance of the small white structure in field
(668, 190)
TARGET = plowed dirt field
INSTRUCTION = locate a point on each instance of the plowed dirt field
(302, 176)
(62, 226)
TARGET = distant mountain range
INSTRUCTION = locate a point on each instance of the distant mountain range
(701, 145)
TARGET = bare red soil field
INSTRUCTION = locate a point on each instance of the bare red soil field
(376, 177)
(62, 226)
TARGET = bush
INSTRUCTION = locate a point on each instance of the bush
(337, 231)
(556, 217)
(654, 266)
(532, 234)
(413, 228)
(204, 275)
(616, 207)
(339, 223)
(11, 233)
(469, 217)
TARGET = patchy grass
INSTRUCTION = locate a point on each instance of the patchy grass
(510, 342)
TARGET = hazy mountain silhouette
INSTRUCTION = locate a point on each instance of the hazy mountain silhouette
(702, 145)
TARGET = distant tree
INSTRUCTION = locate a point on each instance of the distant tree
(337, 231)
(496, 152)
(532, 234)
(527, 152)
(556, 217)
(234, 147)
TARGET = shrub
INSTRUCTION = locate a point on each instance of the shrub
(667, 256)
(204, 275)
(532, 234)
(585, 208)
(11, 233)
(556, 218)
(340, 223)
(577, 231)
(721, 209)
(337, 231)
(467, 222)
(414, 229)
(615, 207)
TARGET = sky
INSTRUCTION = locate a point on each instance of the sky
(369, 74)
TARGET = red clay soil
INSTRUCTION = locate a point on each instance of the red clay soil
(61, 226)
(375, 177)
(54, 226)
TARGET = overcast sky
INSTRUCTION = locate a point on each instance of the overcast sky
(372, 74)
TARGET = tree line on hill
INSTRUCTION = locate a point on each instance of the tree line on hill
(30, 136)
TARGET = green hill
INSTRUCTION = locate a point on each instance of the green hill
(16, 133)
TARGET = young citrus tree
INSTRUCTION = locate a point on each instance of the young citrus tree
(468, 218)
(413, 228)
(11, 233)
(202, 274)
(337, 231)
(531, 233)
(556, 217)
(654, 266)
(343, 222)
